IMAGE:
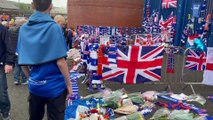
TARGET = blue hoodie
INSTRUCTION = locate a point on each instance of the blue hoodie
(40, 40)
(40, 44)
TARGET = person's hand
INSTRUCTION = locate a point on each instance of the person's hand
(8, 68)
(69, 94)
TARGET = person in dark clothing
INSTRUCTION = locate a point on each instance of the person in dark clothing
(60, 20)
(7, 56)
(70, 37)
(17, 73)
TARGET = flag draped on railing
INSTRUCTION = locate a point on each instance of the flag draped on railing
(135, 64)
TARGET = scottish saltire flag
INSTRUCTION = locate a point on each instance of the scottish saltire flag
(207, 76)
(135, 64)
(169, 3)
(195, 60)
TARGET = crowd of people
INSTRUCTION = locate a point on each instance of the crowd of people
(34, 49)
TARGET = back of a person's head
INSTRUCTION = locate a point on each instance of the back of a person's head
(11, 23)
(5, 23)
(20, 21)
(42, 5)
(59, 18)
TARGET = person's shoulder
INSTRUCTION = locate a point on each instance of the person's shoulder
(2, 28)
(13, 29)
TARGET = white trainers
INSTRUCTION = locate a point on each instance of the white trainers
(6, 117)
(24, 83)
(16, 83)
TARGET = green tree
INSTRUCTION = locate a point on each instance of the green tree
(25, 9)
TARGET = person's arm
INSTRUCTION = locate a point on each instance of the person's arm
(26, 70)
(10, 52)
(8, 68)
(62, 64)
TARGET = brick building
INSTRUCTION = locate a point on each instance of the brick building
(105, 12)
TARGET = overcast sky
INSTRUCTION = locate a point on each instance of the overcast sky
(58, 3)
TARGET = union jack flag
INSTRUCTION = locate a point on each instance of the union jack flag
(135, 64)
(169, 3)
(166, 27)
(195, 60)
(148, 39)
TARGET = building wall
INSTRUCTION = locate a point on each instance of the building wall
(105, 12)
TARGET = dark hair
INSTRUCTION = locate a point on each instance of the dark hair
(42, 5)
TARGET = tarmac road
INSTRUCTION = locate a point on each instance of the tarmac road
(19, 105)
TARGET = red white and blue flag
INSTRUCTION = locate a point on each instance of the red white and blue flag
(135, 64)
(148, 40)
(207, 76)
(195, 60)
(166, 27)
(169, 3)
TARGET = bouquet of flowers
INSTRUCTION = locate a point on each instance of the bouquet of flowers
(74, 54)
(74, 58)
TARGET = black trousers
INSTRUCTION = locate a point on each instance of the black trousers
(55, 107)
(69, 44)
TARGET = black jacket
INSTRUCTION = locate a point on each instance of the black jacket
(13, 31)
(7, 47)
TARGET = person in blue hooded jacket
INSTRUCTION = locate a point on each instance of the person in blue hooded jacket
(42, 53)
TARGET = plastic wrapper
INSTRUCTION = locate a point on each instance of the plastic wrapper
(106, 92)
(200, 118)
(136, 99)
(196, 98)
(96, 117)
(93, 117)
(95, 95)
(179, 96)
(134, 116)
(161, 113)
(127, 110)
(117, 93)
(181, 115)
(150, 95)
(114, 100)
(147, 104)
(74, 54)
(184, 105)
(121, 118)
(75, 109)
(112, 104)
(127, 102)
